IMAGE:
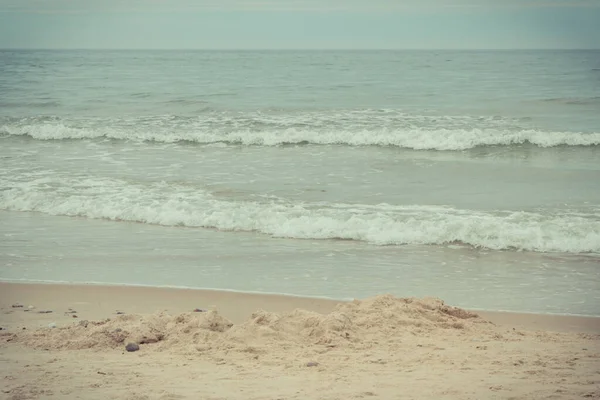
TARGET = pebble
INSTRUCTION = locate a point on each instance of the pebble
(199, 310)
(84, 323)
(44, 312)
(17, 305)
(52, 325)
(30, 307)
(312, 364)
(120, 313)
(132, 347)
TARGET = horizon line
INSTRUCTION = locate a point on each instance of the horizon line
(300, 49)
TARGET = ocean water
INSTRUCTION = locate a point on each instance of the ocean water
(472, 176)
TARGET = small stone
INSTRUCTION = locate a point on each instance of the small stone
(312, 364)
(132, 347)
(199, 310)
(84, 323)
(17, 305)
(75, 316)
(30, 307)
(44, 312)
(52, 325)
(120, 313)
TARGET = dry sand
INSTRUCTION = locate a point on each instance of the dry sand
(277, 347)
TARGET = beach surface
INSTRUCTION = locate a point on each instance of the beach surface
(254, 346)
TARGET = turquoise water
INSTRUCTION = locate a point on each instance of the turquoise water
(471, 176)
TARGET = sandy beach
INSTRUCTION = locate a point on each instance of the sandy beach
(251, 346)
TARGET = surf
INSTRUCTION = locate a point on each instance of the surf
(450, 134)
(168, 204)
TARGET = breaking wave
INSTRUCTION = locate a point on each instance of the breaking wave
(179, 205)
(356, 128)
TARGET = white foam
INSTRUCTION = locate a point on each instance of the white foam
(366, 128)
(175, 205)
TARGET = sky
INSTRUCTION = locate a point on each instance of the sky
(300, 24)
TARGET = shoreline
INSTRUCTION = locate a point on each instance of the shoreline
(249, 292)
(170, 287)
(98, 301)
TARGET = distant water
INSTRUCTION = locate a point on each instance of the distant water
(471, 176)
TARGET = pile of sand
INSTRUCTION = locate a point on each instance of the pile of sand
(160, 328)
(358, 324)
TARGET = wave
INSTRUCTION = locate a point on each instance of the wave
(30, 104)
(364, 128)
(188, 206)
(574, 100)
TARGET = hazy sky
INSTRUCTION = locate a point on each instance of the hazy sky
(265, 24)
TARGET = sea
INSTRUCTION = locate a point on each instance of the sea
(472, 176)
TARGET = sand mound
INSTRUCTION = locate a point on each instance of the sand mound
(388, 312)
(354, 324)
(115, 333)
